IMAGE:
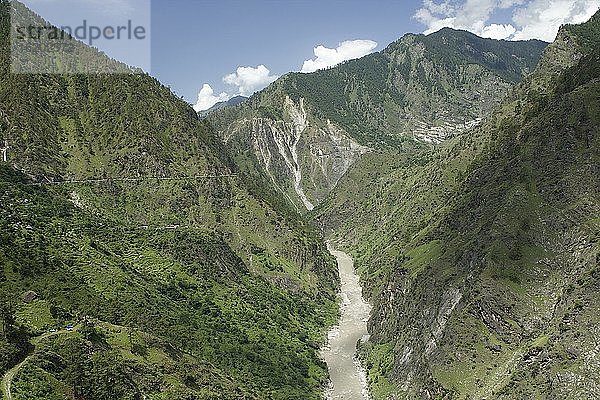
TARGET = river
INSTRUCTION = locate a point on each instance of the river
(348, 379)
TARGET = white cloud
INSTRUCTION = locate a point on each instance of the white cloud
(207, 98)
(541, 19)
(532, 19)
(470, 15)
(348, 50)
(246, 80)
(249, 79)
(498, 31)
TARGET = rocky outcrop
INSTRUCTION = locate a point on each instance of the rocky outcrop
(303, 157)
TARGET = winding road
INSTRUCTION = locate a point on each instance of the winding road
(7, 379)
(11, 373)
(348, 379)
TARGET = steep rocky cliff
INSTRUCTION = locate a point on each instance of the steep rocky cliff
(302, 158)
(306, 130)
(296, 154)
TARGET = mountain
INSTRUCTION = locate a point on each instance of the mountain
(481, 256)
(124, 217)
(305, 130)
(146, 253)
(234, 101)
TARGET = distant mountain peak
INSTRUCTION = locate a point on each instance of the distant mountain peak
(232, 102)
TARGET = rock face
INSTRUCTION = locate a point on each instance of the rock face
(29, 296)
(303, 160)
(306, 130)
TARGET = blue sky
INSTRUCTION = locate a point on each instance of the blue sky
(197, 42)
(239, 46)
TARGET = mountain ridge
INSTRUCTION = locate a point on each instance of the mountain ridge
(306, 130)
(148, 253)
(481, 258)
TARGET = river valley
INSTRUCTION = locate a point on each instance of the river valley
(348, 378)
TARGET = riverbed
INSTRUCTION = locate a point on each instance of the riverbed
(348, 378)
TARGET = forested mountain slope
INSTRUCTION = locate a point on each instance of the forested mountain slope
(124, 216)
(481, 257)
(305, 130)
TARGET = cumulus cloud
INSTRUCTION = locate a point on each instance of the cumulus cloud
(470, 15)
(498, 31)
(207, 98)
(250, 79)
(532, 19)
(246, 81)
(326, 57)
(542, 18)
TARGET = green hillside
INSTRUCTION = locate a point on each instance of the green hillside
(481, 257)
(128, 219)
